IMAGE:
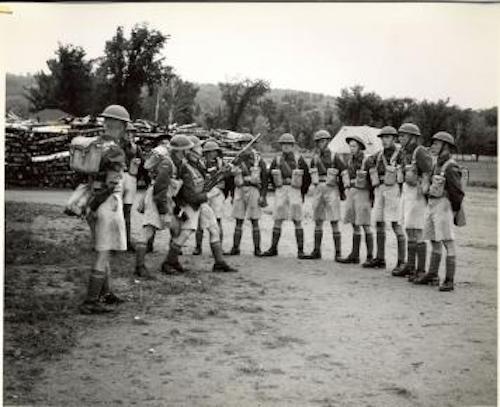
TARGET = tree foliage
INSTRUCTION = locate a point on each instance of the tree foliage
(67, 86)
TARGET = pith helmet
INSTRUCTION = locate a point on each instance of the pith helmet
(358, 139)
(180, 142)
(116, 112)
(388, 131)
(321, 135)
(286, 138)
(409, 128)
(444, 137)
(210, 145)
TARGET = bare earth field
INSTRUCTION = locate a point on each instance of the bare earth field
(281, 332)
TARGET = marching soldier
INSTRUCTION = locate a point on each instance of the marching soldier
(105, 215)
(250, 180)
(417, 169)
(291, 180)
(133, 156)
(158, 203)
(325, 175)
(386, 178)
(358, 201)
(444, 209)
(192, 201)
(213, 163)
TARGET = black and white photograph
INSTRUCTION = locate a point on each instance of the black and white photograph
(249, 204)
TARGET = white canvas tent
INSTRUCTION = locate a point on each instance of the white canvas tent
(368, 134)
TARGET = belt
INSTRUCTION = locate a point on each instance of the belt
(287, 181)
(353, 180)
(322, 178)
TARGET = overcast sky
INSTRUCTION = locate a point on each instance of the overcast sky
(420, 50)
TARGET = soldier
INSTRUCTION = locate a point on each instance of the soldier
(291, 180)
(105, 215)
(325, 175)
(417, 169)
(212, 162)
(250, 180)
(158, 203)
(358, 201)
(445, 202)
(133, 156)
(386, 181)
(192, 201)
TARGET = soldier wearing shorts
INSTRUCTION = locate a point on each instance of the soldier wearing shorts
(158, 203)
(212, 163)
(133, 155)
(386, 179)
(358, 202)
(105, 215)
(445, 197)
(290, 176)
(250, 180)
(417, 169)
(325, 175)
(192, 201)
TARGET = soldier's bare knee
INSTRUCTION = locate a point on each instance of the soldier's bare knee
(450, 247)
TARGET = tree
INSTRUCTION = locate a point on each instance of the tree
(357, 108)
(128, 65)
(67, 86)
(396, 111)
(239, 96)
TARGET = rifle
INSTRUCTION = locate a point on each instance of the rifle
(221, 174)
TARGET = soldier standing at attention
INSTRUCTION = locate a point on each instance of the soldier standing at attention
(325, 175)
(291, 180)
(133, 155)
(386, 181)
(445, 201)
(192, 201)
(358, 202)
(250, 190)
(212, 162)
(417, 169)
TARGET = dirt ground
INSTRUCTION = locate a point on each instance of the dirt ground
(281, 332)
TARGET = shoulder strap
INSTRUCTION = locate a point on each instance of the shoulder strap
(256, 158)
(395, 155)
(363, 163)
(278, 160)
(414, 155)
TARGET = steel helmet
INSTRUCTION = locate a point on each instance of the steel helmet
(388, 131)
(286, 138)
(409, 128)
(444, 137)
(116, 112)
(180, 142)
(358, 139)
(210, 145)
(245, 138)
(321, 135)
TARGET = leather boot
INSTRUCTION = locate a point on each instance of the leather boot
(431, 277)
(220, 265)
(221, 231)
(235, 251)
(369, 246)
(127, 209)
(450, 274)
(353, 258)
(256, 241)
(299, 237)
(107, 296)
(91, 305)
(199, 241)
(273, 250)
(151, 242)
(171, 263)
(421, 260)
(316, 253)
(337, 240)
(140, 268)
(401, 255)
(409, 267)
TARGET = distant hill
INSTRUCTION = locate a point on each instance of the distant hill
(209, 97)
(15, 87)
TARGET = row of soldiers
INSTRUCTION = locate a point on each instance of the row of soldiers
(399, 185)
